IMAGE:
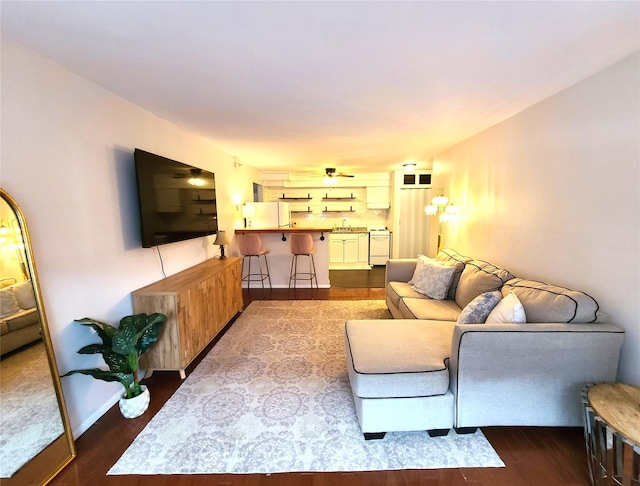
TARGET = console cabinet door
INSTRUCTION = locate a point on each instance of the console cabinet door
(198, 303)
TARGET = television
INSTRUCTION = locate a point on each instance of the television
(177, 201)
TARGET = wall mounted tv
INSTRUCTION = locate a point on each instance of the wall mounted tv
(177, 201)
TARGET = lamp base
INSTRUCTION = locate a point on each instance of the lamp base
(222, 255)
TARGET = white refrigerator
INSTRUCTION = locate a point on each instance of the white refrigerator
(267, 215)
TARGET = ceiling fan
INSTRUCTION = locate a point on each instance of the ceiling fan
(331, 172)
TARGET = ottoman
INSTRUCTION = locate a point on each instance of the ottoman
(399, 376)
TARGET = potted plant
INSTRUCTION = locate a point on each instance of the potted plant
(121, 349)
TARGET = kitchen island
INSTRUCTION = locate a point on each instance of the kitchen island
(280, 255)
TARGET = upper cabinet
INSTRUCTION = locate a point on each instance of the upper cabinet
(378, 197)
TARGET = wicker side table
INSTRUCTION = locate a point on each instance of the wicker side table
(612, 433)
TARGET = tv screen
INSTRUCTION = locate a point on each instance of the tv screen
(177, 201)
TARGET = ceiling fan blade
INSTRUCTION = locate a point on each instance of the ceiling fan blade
(331, 172)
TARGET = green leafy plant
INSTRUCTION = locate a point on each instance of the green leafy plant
(121, 348)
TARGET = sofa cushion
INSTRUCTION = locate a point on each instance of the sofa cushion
(509, 309)
(22, 319)
(549, 303)
(24, 295)
(453, 257)
(398, 358)
(477, 278)
(432, 278)
(4, 328)
(400, 290)
(435, 310)
(8, 303)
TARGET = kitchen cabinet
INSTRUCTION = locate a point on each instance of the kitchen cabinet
(349, 248)
(363, 248)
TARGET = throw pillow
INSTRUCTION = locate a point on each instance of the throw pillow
(418, 270)
(8, 302)
(477, 311)
(509, 309)
(433, 278)
(24, 295)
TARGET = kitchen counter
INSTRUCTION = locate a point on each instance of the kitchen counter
(283, 230)
(275, 240)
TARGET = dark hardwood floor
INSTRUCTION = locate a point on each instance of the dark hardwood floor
(349, 279)
(533, 456)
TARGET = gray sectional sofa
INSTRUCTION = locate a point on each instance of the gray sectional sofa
(425, 370)
(19, 318)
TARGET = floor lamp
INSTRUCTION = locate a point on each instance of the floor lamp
(446, 212)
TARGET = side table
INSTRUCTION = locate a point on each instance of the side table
(612, 433)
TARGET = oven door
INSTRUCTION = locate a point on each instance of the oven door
(379, 248)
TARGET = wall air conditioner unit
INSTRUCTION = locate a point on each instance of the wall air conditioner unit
(416, 180)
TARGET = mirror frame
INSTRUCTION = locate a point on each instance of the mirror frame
(52, 459)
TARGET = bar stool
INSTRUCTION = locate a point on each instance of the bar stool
(251, 246)
(301, 244)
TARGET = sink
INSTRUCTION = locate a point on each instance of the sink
(350, 229)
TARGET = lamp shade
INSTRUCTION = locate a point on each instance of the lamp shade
(440, 200)
(221, 238)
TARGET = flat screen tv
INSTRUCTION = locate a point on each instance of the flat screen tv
(177, 201)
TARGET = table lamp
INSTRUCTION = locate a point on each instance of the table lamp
(221, 240)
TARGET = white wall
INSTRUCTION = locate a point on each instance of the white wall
(554, 194)
(67, 158)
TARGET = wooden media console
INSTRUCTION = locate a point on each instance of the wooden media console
(198, 303)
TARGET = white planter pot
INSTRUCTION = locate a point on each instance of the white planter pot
(136, 406)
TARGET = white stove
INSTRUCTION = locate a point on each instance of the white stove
(379, 246)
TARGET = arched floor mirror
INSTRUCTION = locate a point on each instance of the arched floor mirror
(35, 435)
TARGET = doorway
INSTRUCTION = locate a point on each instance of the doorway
(413, 223)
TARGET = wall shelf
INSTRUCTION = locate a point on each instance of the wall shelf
(351, 198)
(285, 198)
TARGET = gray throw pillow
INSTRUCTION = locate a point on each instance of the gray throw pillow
(477, 311)
(24, 295)
(432, 278)
(8, 302)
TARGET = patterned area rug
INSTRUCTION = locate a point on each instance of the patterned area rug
(29, 415)
(273, 395)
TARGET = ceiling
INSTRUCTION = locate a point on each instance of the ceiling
(355, 85)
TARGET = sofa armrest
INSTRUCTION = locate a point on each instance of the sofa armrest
(529, 374)
(400, 269)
